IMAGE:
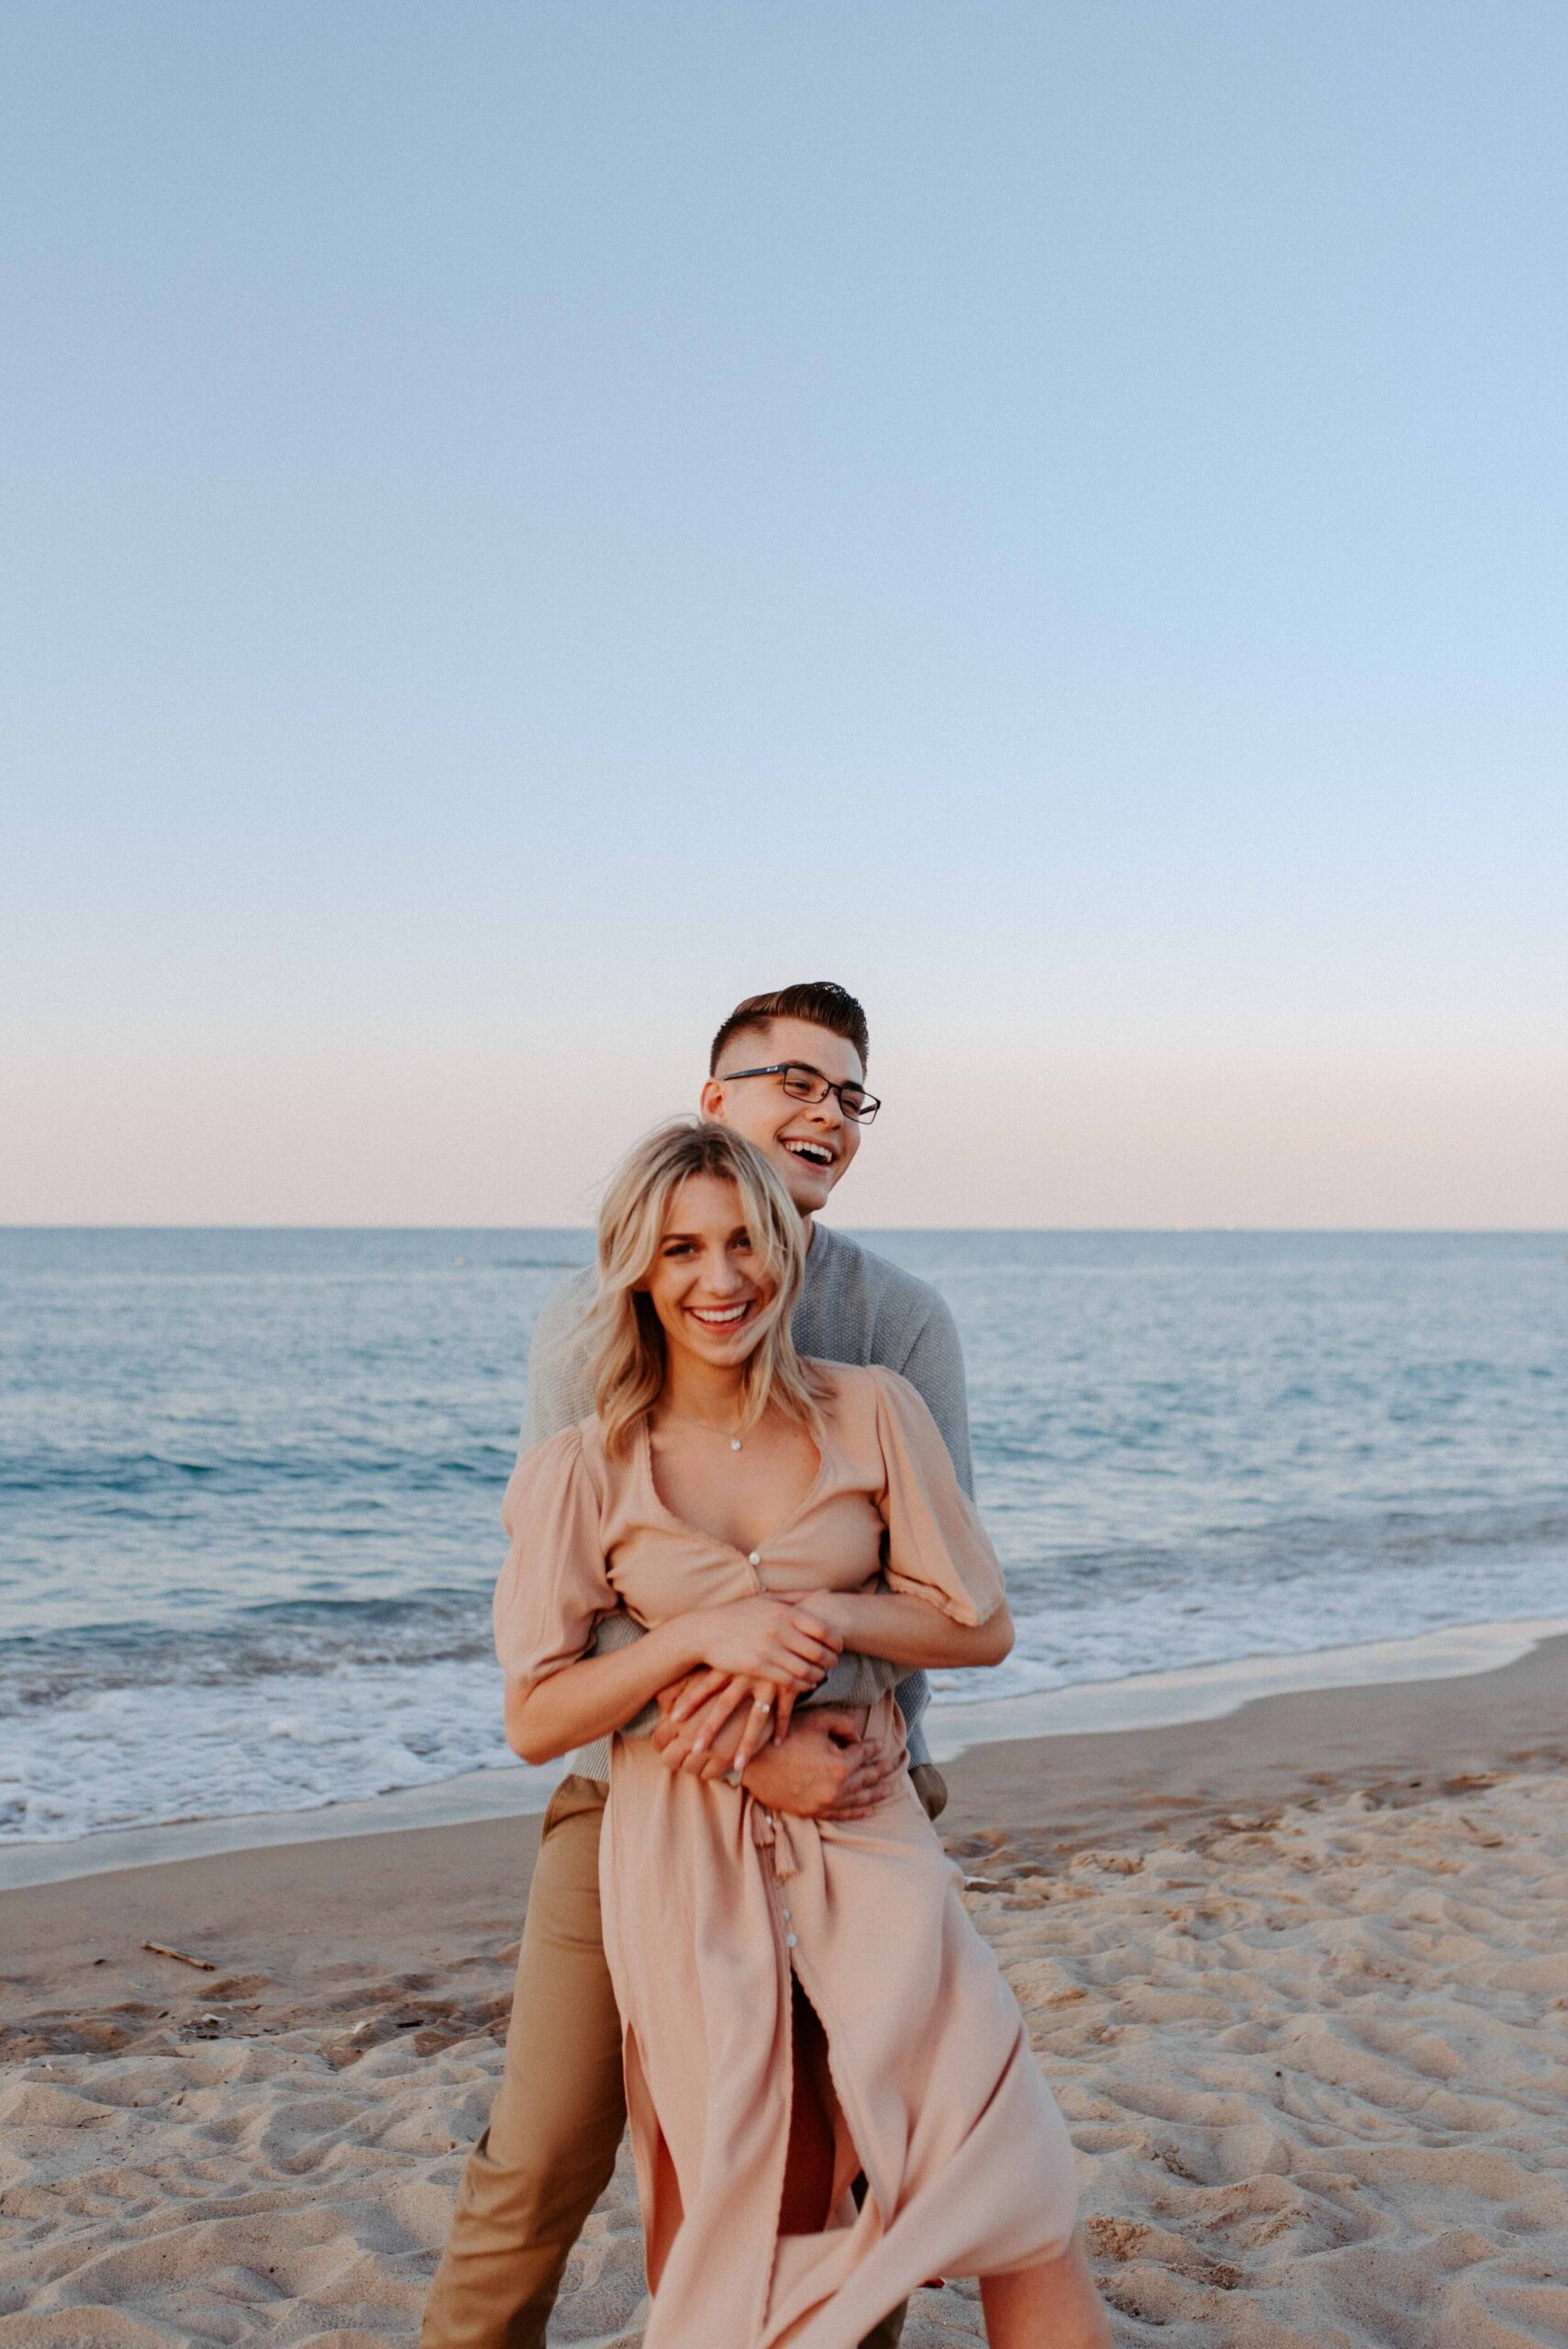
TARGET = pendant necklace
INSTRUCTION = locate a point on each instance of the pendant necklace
(735, 1442)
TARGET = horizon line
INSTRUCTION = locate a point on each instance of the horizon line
(1100, 1230)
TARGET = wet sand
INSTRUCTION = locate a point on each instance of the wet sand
(1298, 1976)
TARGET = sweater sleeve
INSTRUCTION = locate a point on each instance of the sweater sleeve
(560, 1390)
(933, 1364)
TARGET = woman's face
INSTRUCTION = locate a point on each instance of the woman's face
(705, 1283)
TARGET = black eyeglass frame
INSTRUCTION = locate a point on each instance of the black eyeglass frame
(865, 1115)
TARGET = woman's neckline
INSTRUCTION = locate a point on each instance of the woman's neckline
(701, 1532)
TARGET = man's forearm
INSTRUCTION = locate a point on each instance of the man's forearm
(855, 1679)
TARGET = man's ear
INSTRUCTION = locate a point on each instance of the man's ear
(710, 1101)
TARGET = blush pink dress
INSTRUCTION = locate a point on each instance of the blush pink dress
(710, 1900)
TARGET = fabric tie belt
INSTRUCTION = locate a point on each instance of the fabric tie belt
(776, 1832)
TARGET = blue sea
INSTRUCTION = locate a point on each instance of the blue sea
(249, 1480)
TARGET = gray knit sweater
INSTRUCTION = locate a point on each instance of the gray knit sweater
(854, 1307)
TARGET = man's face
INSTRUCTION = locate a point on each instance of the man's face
(811, 1144)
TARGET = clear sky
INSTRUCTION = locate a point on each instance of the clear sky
(525, 522)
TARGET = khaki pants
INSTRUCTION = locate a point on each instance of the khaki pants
(555, 2126)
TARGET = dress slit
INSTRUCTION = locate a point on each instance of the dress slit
(816, 2174)
(851, 2176)
(658, 2180)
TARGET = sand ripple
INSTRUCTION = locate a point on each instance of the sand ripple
(1316, 2067)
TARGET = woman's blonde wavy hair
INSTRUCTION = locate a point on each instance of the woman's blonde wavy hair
(626, 1336)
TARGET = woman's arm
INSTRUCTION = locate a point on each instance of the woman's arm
(589, 1699)
(912, 1632)
(781, 1642)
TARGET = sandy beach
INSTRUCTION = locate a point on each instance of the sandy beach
(1298, 1977)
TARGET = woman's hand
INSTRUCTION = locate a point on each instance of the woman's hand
(710, 1741)
(760, 1653)
(700, 1739)
(771, 1651)
(783, 1641)
(830, 1607)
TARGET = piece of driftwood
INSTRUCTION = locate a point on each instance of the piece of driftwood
(202, 1965)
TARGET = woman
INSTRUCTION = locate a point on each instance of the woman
(831, 2093)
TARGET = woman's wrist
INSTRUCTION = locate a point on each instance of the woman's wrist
(841, 1611)
(680, 1645)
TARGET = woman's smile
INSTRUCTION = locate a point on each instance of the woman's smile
(725, 1317)
(703, 1282)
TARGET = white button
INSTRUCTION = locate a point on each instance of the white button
(784, 1914)
(756, 1557)
(790, 1939)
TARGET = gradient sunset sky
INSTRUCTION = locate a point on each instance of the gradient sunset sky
(528, 522)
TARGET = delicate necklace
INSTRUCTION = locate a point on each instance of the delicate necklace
(690, 1420)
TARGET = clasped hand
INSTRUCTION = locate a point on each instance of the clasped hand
(826, 1767)
(765, 1652)
(761, 1654)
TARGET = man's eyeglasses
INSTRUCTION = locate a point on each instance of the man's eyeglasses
(803, 1083)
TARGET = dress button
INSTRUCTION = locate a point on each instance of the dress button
(790, 1939)
(756, 1558)
(786, 1915)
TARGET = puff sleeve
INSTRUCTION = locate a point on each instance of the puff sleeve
(937, 1548)
(554, 1586)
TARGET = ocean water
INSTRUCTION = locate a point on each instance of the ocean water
(249, 1480)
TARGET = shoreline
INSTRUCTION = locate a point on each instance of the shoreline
(1114, 1708)
(1037, 1798)
(1293, 1970)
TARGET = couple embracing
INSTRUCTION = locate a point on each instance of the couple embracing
(740, 1531)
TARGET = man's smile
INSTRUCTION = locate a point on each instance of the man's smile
(816, 1153)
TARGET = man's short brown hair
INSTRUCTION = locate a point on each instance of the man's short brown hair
(822, 1001)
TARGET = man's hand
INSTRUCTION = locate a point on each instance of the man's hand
(824, 1769)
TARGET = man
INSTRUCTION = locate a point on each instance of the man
(787, 1070)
